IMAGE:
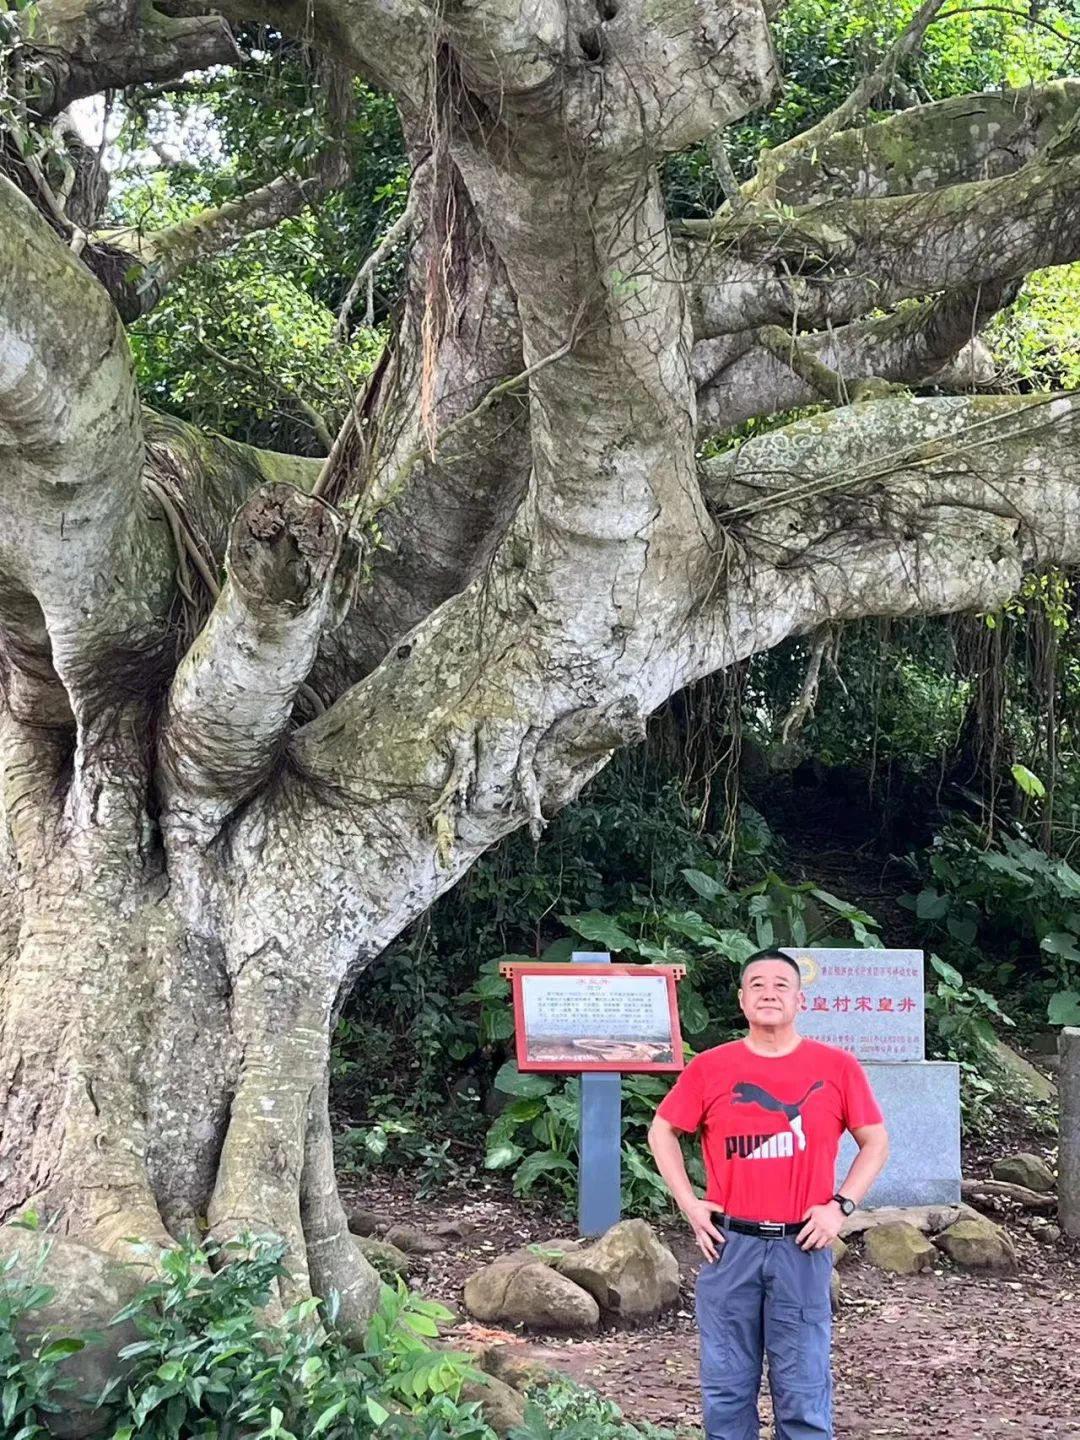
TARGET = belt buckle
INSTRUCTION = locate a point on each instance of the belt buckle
(771, 1229)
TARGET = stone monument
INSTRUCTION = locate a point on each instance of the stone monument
(871, 1002)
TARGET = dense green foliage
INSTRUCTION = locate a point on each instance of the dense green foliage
(209, 1365)
(244, 343)
(1012, 913)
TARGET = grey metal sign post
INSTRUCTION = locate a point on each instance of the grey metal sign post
(600, 1139)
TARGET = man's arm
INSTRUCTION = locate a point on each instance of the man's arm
(824, 1222)
(667, 1152)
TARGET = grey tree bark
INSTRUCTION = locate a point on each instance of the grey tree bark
(242, 748)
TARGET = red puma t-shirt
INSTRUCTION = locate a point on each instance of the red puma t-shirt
(771, 1125)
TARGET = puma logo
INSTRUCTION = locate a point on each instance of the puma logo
(744, 1093)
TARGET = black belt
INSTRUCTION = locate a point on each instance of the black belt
(763, 1229)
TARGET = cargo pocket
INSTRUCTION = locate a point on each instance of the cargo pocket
(797, 1338)
(815, 1342)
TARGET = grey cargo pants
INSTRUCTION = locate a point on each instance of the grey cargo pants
(766, 1296)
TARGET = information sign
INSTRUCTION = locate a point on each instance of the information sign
(597, 1017)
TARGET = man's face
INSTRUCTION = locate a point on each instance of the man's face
(769, 995)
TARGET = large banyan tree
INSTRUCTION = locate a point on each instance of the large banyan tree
(261, 710)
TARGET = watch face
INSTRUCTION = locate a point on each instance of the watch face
(848, 1206)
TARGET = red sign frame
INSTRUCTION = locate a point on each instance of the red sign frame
(517, 973)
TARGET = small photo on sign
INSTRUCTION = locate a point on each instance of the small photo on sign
(605, 1017)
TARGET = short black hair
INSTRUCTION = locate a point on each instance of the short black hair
(769, 955)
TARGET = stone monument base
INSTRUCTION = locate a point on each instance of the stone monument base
(921, 1103)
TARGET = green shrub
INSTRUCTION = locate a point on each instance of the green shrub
(210, 1363)
(31, 1387)
(1009, 915)
(565, 1411)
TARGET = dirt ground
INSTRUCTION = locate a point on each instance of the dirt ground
(939, 1356)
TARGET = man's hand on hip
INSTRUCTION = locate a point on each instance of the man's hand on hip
(823, 1225)
(709, 1239)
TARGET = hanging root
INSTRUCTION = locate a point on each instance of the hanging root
(803, 708)
(335, 1265)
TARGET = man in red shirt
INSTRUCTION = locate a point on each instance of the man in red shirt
(771, 1109)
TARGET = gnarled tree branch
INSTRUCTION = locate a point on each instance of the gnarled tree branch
(232, 696)
(69, 421)
(833, 263)
(909, 347)
(927, 147)
(74, 48)
(774, 161)
(164, 254)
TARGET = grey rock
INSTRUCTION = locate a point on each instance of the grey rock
(502, 1406)
(507, 1363)
(977, 1245)
(525, 1291)
(366, 1222)
(628, 1271)
(387, 1259)
(413, 1240)
(1025, 1169)
(90, 1288)
(899, 1248)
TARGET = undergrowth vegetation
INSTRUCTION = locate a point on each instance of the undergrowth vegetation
(210, 1365)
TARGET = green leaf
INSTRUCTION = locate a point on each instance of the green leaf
(694, 927)
(843, 907)
(1029, 783)
(522, 1110)
(544, 1162)
(948, 974)
(60, 1349)
(962, 928)
(502, 1155)
(1060, 942)
(376, 1140)
(329, 1415)
(666, 954)
(705, 885)
(602, 929)
(497, 1024)
(692, 1011)
(559, 951)
(379, 1413)
(735, 945)
(931, 905)
(488, 987)
(510, 1081)
(1064, 1008)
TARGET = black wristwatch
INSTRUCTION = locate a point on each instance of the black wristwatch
(846, 1205)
